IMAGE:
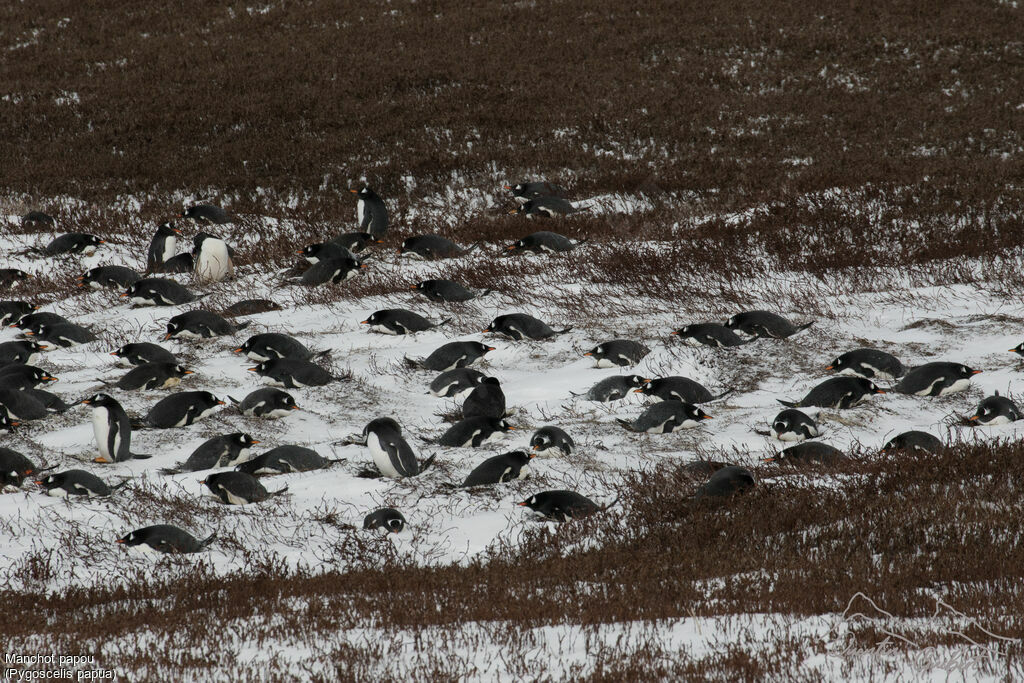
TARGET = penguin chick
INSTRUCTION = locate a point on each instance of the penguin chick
(615, 388)
(837, 393)
(548, 441)
(166, 538)
(764, 324)
(869, 363)
(391, 453)
(711, 334)
(399, 321)
(238, 488)
(268, 402)
(452, 383)
(200, 324)
(388, 519)
(522, 326)
(936, 379)
(292, 373)
(665, 417)
(499, 469)
(617, 352)
(77, 483)
(153, 376)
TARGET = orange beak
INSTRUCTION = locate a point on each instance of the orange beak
(707, 417)
(123, 294)
(100, 459)
(974, 418)
(238, 350)
(189, 372)
(120, 540)
(167, 336)
(354, 191)
(293, 408)
(830, 367)
(221, 403)
(253, 369)
(510, 248)
(975, 372)
(588, 353)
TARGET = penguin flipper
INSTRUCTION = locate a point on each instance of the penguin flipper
(209, 539)
(626, 424)
(170, 470)
(789, 404)
(427, 463)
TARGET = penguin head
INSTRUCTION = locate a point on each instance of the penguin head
(181, 371)
(395, 524)
(374, 319)
(39, 376)
(684, 331)
(91, 242)
(965, 372)
(12, 478)
(483, 349)
(99, 401)
(87, 278)
(245, 347)
(873, 388)
(284, 401)
(173, 328)
(389, 519)
(260, 367)
(244, 440)
(6, 423)
(732, 323)
(134, 538)
(503, 426)
(838, 365)
(637, 381)
(532, 502)
(382, 424)
(491, 380)
(695, 413)
(520, 457)
(167, 229)
(1018, 349)
(596, 352)
(131, 290)
(50, 481)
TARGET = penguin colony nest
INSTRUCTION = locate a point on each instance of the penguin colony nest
(858, 154)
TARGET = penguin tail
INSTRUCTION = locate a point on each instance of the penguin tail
(234, 401)
(416, 363)
(336, 461)
(582, 240)
(242, 325)
(557, 332)
(427, 463)
(485, 292)
(119, 486)
(170, 470)
(575, 394)
(789, 404)
(611, 504)
(470, 248)
(443, 322)
(278, 493)
(628, 426)
(323, 355)
(45, 469)
(140, 456)
(723, 394)
(101, 381)
(804, 326)
(761, 432)
(209, 539)
(138, 424)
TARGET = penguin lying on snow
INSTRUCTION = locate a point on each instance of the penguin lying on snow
(432, 247)
(10, 276)
(21, 352)
(285, 460)
(764, 324)
(21, 404)
(333, 270)
(268, 402)
(837, 393)
(13, 311)
(179, 410)
(551, 440)
(250, 307)
(17, 377)
(473, 431)
(155, 291)
(77, 483)
(665, 417)
(914, 441)
(936, 379)
(206, 213)
(499, 469)
(392, 454)
(793, 425)
(142, 353)
(809, 452)
(711, 334)
(399, 321)
(388, 519)
(112, 429)
(444, 291)
(238, 488)
(452, 383)
(617, 352)
(64, 335)
(869, 363)
(726, 482)
(561, 506)
(542, 242)
(114, 277)
(679, 388)
(292, 373)
(31, 321)
(269, 345)
(14, 467)
(522, 326)
(524, 192)
(456, 354)
(225, 450)
(486, 400)
(546, 207)
(153, 376)
(69, 243)
(614, 388)
(200, 324)
(995, 410)
(166, 538)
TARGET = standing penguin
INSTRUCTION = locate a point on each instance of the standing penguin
(391, 453)
(161, 249)
(371, 212)
(112, 428)
(212, 258)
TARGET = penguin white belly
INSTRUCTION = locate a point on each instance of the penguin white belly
(381, 458)
(233, 499)
(171, 382)
(524, 472)
(140, 301)
(959, 385)
(548, 452)
(998, 420)
(213, 263)
(200, 416)
(604, 363)
(360, 211)
(789, 435)
(170, 244)
(188, 334)
(101, 430)
(58, 492)
(279, 412)
(243, 455)
(383, 330)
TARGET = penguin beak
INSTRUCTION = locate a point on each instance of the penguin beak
(80, 278)
(974, 418)
(513, 211)
(830, 367)
(120, 540)
(299, 252)
(521, 504)
(28, 333)
(588, 353)
(492, 348)
(363, 265)
(412, 286)
(80, 284)
(40, 483)
(221, 403)
(103, 241)
(44, 346)
(706, 417)
(364, 322)
(113, 353)
(673, 333)
(507, 187)
(86, 401)
(175, 229)
(768, 459)
(122, 295)
(295, 407)
(511, 429)
(49, 378)
(975, 372)
(189, 372)
(486, 330)
(255, 442)
(646, 380)
(100, 459)
(638, 391)
(238, 350)
(354, 191)
(253, 369)
(167, 336)
(879, 391)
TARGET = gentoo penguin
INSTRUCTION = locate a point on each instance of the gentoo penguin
(268, 345)
(471, 432)
(444, 291)
(500, 468)
(808, 452)
(166, 538)
(794, 425)
(64, 335)
(726, 482)
(546, 207)
(52, 402)
(869, 363)
(936, 379)
(524, 192)
(20, 404)
(355, 242)
(679, 388)
(14, 467)
(268, 402)
(18, 377)
(561, 506)
(238, 488)
(141, 353)
(250, 307)
(392, 454)
(212, 258)
(21, 352)
(399, 321)
(7, 424)
(711, 334)
(112, 429)
(837, 393)
(292, 373)
(452, 383)
(431, 248)
(323, 251)
(72, 243)
(181, 409)
(522, 326)
(388, 519)
(77, 483)
(995, 410)
(206, 213)
(182, 263)
(10, 276)
(371, 212)
(112, 277)
(13, 311)
(764, 324)
(155, 291)
(615, 388)
(914, 441)
(486, 400)
(162, 247)
(200, 325)
(549, 441)
(457, 354)
(704, 467)
(37, 219)
(543, 242)
(153, 376)
(1018, 349)
(665, 417)
(32, 321)
(333, 270)
(225, 450)
(617, 352)
(284, 460)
